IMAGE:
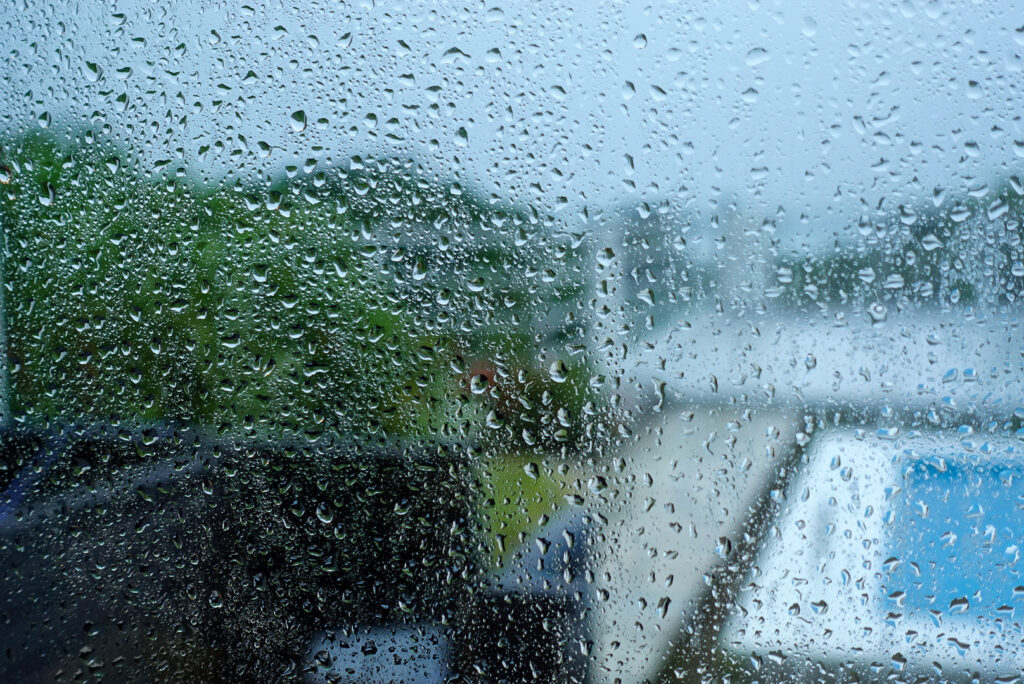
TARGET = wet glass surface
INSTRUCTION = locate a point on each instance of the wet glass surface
(379, 342)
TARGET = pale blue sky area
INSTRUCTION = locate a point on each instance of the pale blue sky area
(808, 113)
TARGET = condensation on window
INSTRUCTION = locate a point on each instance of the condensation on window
(612, 342)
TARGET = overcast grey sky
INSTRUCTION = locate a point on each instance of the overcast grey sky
(820, 109)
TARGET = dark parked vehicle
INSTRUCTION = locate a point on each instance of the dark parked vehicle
(156, 554)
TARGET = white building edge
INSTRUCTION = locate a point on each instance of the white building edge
(722, 403)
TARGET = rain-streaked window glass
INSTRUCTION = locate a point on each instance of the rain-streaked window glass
(616, 342)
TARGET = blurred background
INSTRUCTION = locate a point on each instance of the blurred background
(387, 342)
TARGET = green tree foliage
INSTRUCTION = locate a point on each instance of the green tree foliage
(327, 303)
(936, 252)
